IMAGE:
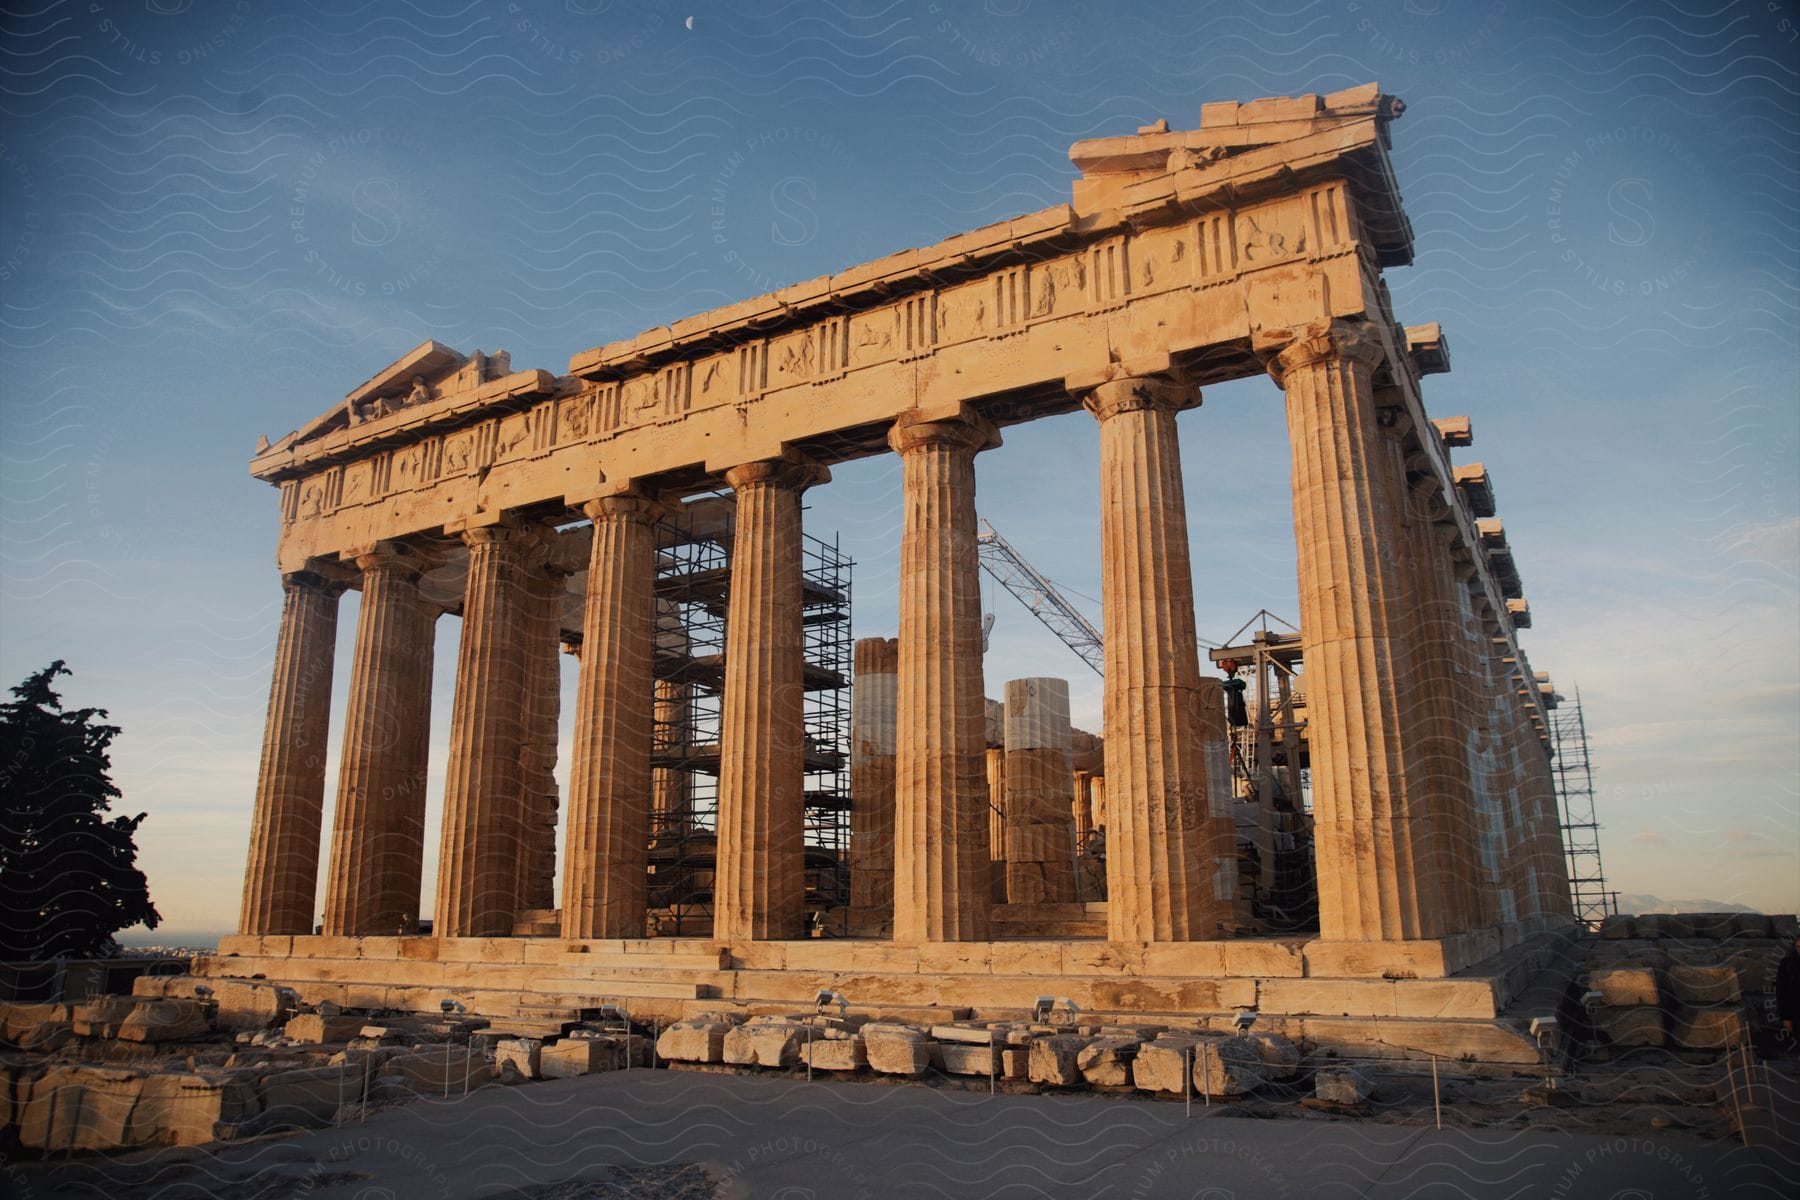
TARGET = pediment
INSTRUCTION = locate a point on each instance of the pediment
(429, 372)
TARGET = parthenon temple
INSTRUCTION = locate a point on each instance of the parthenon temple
(1386, 847)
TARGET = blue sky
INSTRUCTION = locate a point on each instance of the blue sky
(216, 219)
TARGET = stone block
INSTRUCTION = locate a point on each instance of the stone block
(835, 1054)
(319, 1028)
(967, 1058)
(244, 1004)
(1165, 1065)
(307, 1096)
(1052, 1061)
(187, 1110)
(46, 1037)
(764, 1044)
(1343, 1085)
(438, 1069)
(1625, 1028)
(1713, 926)
(1702, 986)
(1106, 1061)
(897, 1050)
(1706, 1028)
(1228, 1066)
(1618, 928)
(80, 1108)
(694, 1041)
(16, 1019)
(1746, 926)
(521, 1054)
(582, 1056)
(1784, 927)
(164, 1021)
(1625, 986)
(101, 1018)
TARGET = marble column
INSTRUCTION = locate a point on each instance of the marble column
(1040, 827)
(872, 783)
(942, 865)
(759, 890)
(378, 835)
(607, 855)
(483, 835)
(1346, 516)
(672, 789)
(538, 796)
(280, 879)
(1163, 850)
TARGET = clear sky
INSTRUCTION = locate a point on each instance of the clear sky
(217, 218)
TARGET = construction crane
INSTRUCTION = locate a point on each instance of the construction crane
(1039, 595)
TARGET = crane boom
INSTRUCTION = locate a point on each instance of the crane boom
(1039, 595)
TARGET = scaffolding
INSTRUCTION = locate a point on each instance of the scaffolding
(693, 590)
(1271, 774)
(1581, 830)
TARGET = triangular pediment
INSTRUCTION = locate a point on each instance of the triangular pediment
(423, 375)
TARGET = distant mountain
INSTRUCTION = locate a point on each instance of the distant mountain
(1640, 903)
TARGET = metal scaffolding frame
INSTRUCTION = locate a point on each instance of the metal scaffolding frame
(1580, 828)
(693, 590)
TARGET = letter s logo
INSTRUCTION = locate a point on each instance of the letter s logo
(795, 222)
(1628, 200)
(377, 205)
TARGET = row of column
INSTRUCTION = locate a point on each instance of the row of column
(1392, 672)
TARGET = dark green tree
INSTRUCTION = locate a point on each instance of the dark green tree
(68, 872)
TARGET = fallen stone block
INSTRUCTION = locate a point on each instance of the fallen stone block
(967, 1058)
(1632, 1026)
(897, 1050)
(835, 1054)
(1706, 1028)
(1343, 1085)
(1702, 986)
(519, 1053)
(694, 1041)
(1618, 928)
(1165, 1065)
(769, 1044)
(1106, 1061)
(164, 1021)
(244, 1004)
(1052, 1060)
(1621, 987)
(570, 1057)
(320, 1029)
(1227, 1066)
(46, 1037)
(187, 1110)
(450, 1069)
(81, 1108)
(307, 1096)
(18, 1019)
(101, 1018)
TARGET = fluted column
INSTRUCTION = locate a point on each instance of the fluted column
(1040, 826)
(483, 833)
(1164, 851)
(759, 890)
(872, 783)
(942, 867)
(672, 788)
(607, 853)
(1346, 517)
(538, 797)
(378, 835)
(280, 879)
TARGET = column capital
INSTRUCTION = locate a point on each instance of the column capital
(391, 557)
(312, 581)
(1353, 341)
(961, 430)
(494, 535)
(624, 506)
(1138, 393)
(792, 471)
